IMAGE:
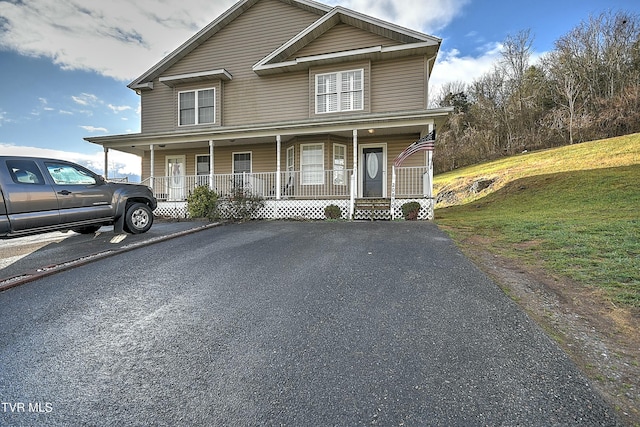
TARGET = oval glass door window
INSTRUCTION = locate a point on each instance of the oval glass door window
(372, 165)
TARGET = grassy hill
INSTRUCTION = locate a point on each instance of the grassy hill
(574, 211)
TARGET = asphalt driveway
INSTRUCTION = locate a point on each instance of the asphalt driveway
(284, 323)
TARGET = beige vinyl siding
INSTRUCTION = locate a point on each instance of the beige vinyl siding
(399, 85)
(340, 38)
(159, 112)
(397, 144)
(248, 98)
(263, 157)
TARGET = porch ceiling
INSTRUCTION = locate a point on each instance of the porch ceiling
(415, 122)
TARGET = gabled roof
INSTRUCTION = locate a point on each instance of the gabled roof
(145, 81)
(412, 42)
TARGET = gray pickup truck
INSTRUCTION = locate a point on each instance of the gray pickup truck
(40, 195)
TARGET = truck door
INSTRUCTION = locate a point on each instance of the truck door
(30, 201)
(81, 194)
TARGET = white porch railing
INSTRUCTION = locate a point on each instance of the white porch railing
(410, 182)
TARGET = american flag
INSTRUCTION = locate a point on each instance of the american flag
(425, 143)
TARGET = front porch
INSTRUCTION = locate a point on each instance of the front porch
(301, 194)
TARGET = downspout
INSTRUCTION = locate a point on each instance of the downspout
(428, 78)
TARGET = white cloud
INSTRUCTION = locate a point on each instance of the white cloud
(423, 15)
(119, 108)
(94, 129)
(451, 67)
(85, 99)
(123, 38)
(120, 163)
(116, 38)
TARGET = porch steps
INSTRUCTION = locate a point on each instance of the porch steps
(372, 208)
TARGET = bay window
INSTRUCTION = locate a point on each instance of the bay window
(312, 164)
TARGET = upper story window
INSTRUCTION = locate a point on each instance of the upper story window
(341, 91)
(196, 107)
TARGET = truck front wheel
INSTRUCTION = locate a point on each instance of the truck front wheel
(138, 218)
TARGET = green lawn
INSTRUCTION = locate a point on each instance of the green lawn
(574, 210)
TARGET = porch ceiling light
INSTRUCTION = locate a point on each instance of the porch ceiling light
(371, 131)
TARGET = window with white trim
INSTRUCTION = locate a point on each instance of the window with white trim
(242, 162)
(341, 91)
(202, 168)
(196, 107)
(339, 163)
(312, 164)
(291, 166)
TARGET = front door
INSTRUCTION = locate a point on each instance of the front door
(176, 178)
(372, 185)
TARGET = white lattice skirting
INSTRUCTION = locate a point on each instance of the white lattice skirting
(305, 209)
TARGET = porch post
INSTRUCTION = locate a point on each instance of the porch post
(393, 189)
(106, 163)
(211, 168)
(278, 165)
(429, 190)
(354, 175)
(152, 171)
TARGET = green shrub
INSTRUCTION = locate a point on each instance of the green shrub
(202, 203)
(332, 212)
(410, 210)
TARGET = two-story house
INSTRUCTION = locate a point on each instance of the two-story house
(303, 104)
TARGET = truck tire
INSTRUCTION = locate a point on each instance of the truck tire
(138, 218)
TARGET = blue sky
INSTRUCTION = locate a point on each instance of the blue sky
(64, 66)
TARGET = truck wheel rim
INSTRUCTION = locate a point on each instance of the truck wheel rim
(140, 218)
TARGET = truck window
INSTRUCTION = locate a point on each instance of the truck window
(25, 172)
(64, 174)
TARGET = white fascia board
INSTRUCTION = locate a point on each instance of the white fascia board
(304, 61)
(336, 55)
(258, 68)
(142, 86)
(409, 46)
(315, 25)
(221, 74)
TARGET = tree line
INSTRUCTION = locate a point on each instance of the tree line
(586, 88)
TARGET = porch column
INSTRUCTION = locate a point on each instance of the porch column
(354, 175)
(152, 172)
(211, 169)
(106, 163)
(429, 190)
(278, 166)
